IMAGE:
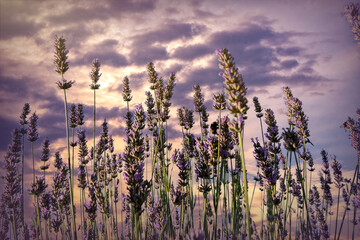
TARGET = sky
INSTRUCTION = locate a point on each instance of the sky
(306, 45)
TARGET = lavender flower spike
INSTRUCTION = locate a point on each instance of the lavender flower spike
(32, 130)
(95, 74)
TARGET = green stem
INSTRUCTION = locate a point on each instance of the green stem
(69, 163)
(246, 198)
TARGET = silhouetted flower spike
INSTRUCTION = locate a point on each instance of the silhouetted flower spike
(198, 99)
(73, 116)
(45, 155)
(234, 84)
(126, 90)
(339, 179)
(273, 130)
(258, 108)
(24, 114)
(60, 55)
(58, 163)
(169, 88)
(38, 187)
(32, 130)
(153, 76)
(354, 131)
(45, 204)
(291, 140)
(80, 114)
(65, 84)
(95, 74)
(219, 101)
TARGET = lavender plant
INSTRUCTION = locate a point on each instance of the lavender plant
(166, 204)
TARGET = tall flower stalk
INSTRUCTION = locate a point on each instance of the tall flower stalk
(62, 65)
(95, 77)
(23, 121)
(236, 91)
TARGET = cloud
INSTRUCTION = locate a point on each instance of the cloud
(82, 12)
(10, 28)
(289, 64)
(145, 54)
(167, 33)
(290, 51)
(191, 52)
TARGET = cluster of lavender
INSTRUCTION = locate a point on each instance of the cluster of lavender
(212, 176)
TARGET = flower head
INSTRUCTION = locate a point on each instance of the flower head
(258, 108)
(234, 84)
(126, 90)
(219, 101)
(60, 55)
(24, 114)
(95, 74)
(80, 114)
(32, 130)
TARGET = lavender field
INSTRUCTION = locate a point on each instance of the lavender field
(196, 121)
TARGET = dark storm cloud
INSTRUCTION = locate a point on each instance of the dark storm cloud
(256, 61)
(289, 64)
(250, 34)
(167, 33)
(145, 54)
(10, 28)
(109, 58)
(85, 13)
(191, 52)
(107, 54)
(290, 51)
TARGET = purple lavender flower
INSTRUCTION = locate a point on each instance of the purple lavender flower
(80, 115)
(38, 187)
(133, 158)
(73, 116)
(153, 76)
(24, 114)
(219, 101)
(201, 108)
(45, 155)
(150, 111)
(126, 91)
(82, 177)
(186, 118)
(198, 99)
(45, 204)
(291, 140)
(184, 167)
(258, 108)
(32, 130)
(95, 74)
(83, 149)
(336, 166)
(354, 132)
(235, 86)
(177, 195)
(60, 55)
(91, 206)
(319, 214)
(269, 171)
(272, 130)
(156, 214)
